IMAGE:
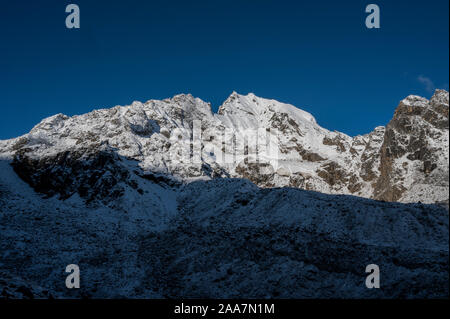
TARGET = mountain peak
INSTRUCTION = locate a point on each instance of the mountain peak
(159, 134)
(52, 122)
(263, 109)
(413, 100)
(440, 96)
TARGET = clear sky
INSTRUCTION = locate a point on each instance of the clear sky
(317, 55)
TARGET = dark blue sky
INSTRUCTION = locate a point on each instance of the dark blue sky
(317, 55)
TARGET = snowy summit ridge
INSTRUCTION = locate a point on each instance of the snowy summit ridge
(405, 161)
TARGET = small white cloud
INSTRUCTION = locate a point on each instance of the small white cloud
(429, 85)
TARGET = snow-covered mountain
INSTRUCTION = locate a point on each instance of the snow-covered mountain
(223, 238)
(167, 199)
(270, 143)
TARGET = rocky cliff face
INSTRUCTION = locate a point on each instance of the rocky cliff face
(414, 154)
(270, 143)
